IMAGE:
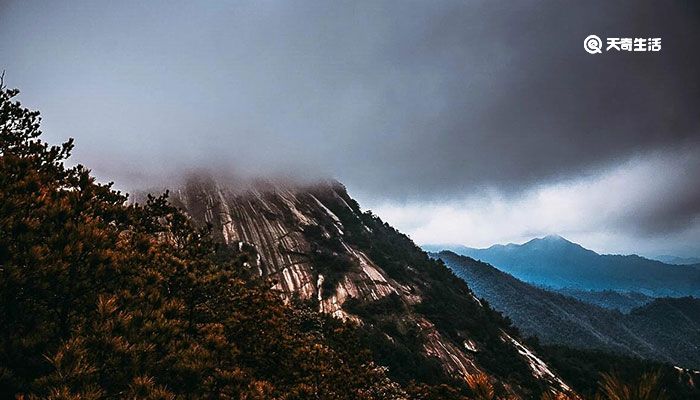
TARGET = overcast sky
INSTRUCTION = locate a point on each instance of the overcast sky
(471, 122)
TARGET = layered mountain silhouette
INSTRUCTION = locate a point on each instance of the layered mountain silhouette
(557, 263)
(678, 260)
(621, 301)
(666, 329)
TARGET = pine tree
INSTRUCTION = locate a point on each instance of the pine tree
(104, 300)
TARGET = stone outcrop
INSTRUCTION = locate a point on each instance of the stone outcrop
(291, 226)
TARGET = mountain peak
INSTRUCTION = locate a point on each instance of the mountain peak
(554, 238)
(557, 262)
(551, 240)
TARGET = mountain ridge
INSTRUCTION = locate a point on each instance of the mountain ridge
(666, 329)
(555, 262)
(316, 244)
(675, 260)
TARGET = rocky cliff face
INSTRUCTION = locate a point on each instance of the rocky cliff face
(277, 222)
(314, 243)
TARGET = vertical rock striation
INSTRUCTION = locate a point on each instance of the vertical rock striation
(314, 242)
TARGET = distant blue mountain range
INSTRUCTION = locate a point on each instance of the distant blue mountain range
(664, 329)
(677, 260)
(557, 263)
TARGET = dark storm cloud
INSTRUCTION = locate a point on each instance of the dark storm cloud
(398, 99)
(522, 102)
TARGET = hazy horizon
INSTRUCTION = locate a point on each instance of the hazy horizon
(447, 246)
(472, 123)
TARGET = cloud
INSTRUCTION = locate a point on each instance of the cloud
(617, 210)
(520, 102)
(406, 101)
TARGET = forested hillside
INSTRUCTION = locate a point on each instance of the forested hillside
(666, 329)
(101, 300)
(416, 317)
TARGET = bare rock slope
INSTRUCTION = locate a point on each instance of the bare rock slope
(421, 321)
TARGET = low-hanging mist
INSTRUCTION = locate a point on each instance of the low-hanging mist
(418, 106)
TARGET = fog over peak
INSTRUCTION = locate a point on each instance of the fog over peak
(413, 105)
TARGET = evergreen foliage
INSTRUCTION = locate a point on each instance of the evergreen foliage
(587, 370)
(104, 300)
